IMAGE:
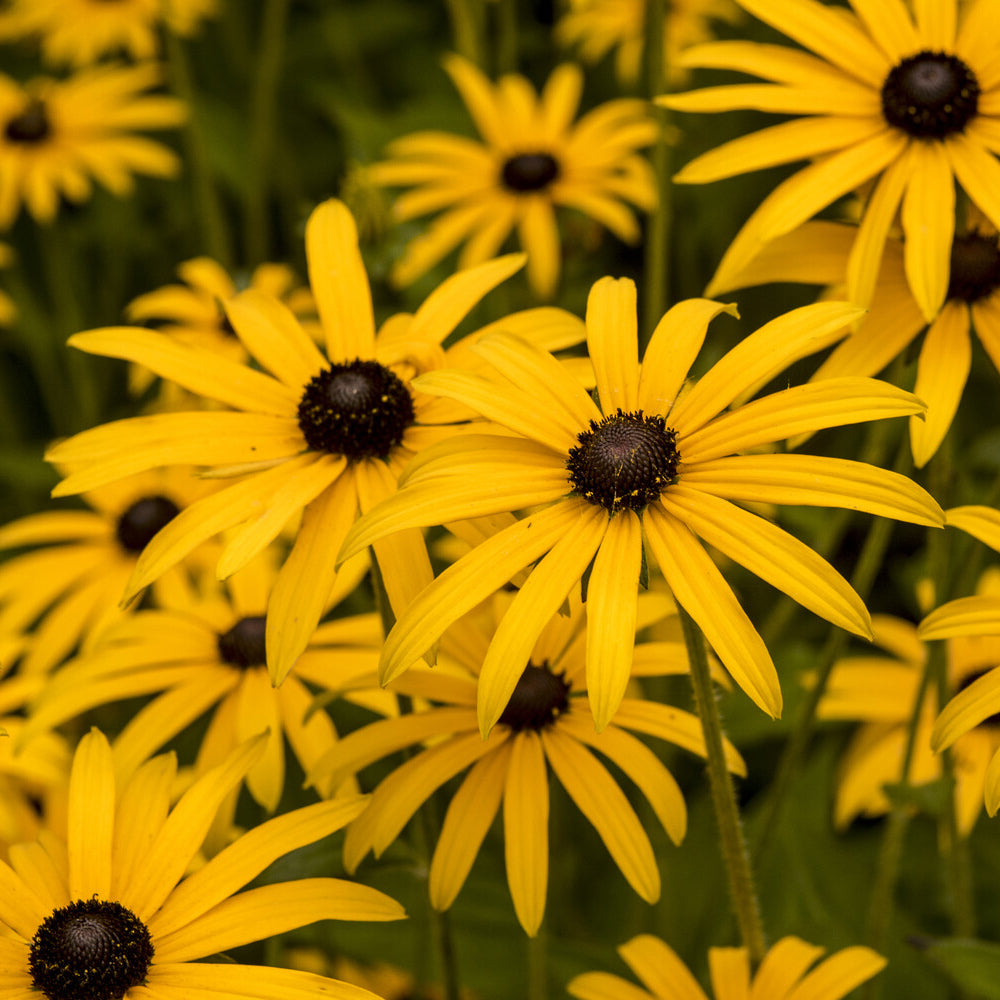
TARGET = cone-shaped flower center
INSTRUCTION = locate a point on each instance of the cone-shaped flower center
(529, 172)
(538, 700)
(90, 950)
(625, 461)
(243, 644)
(975, 267)
(359, 409)
(991, 721)
(144, 519)
(30, 126)
(930, 95)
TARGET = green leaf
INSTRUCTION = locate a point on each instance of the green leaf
(973, 966)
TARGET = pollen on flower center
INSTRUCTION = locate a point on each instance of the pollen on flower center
(143, 519)
(975, 267)
(930, 95)
(243, 644)
(92, 949)
(359, 409)
(625, 461)
(529, 172)
(30, 125)
(538, 700)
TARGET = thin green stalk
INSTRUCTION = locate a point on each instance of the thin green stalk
(267, 70)
(506, 34)
(214, 232)
(465, 22)
(656, 277)
(727, 814)
(538, 965)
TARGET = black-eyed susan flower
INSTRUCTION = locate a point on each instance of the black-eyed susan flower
(58, 136)
(543, 727)
(324, 434)
(534, 158)
(596, 27)
(108, 912)
(81, 32)
(787, 972)
(911, 102)
(206, 653)
(655, 460)
(65, 589)
(817, 253)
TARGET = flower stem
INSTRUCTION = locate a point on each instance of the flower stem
(506, 34)
(538, 975)
(727, 815)
(465, 28)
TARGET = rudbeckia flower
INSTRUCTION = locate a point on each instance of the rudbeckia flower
(109, 913)
(208, 654)
(324, 434)
(817, 252)
(57, 136)
(533, 159)
(783, 974)
(81, 32)
(544, 726)
(654, 460)
(911, 103)
(598, 26)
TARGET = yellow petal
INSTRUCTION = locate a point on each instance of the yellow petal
(204, 981)
(91, 818)
(539, 236)
(784, 964)
(613, 342)
(660, 969)
(891, 27)
(980, 522)
(967, 709)
(979, 615)
(840, 974)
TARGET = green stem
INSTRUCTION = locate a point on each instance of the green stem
(506, 52)
(208, 206)
(727, 815)
(538, 973)
(267, 69)
(656, 277)
(465, 29)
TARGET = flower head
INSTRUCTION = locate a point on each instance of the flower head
(912, 103)
(56, 136)
(533, 159)
(654, 462)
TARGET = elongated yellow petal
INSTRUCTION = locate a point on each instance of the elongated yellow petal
(659, 968)
(613, 341)
(526, 829)
(469, 817)
(784, 964)
(978, 615)
(700, 589)
(91, 818)
(604, 804)
(53, 526)
(980, 522)
(20, 907)
(772, 554)
(891, 27)
(539, 235)
(204, 981)
(816, 481)
(978, 172)
(477, 93)
(729, 970)
(536, 602)
(604, 986)
(859, 102)
(203, 372)
(838, 975)
(35, 868)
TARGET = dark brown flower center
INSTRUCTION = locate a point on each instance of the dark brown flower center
(529, 172)
(930, 95)
(144, 519)
(31, 125)
(359, 409)
(92, 949)
(991, 721)
(538, 700)
(975, 267)
(243, 644)
(625, 461)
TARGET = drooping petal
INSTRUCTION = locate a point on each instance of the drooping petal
(967, 709)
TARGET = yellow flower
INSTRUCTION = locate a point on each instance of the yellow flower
(783, 974)
(109, 912)
(543, 726)
(81, 32)
(817, 253)
(58, 135)
(533, 159)
(655, 460)
(911, 103)
(325, 434)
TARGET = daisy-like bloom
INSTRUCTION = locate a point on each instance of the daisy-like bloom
(817, 252)
(598, 26)
(543, 726)
(786, 973)
(655, 460)
(66, 588)
(325, 434)
(108, 913)
(81, 32)
(208, 653)
(7, 309)
(533, 158)
(911, 103)
(57, 136)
